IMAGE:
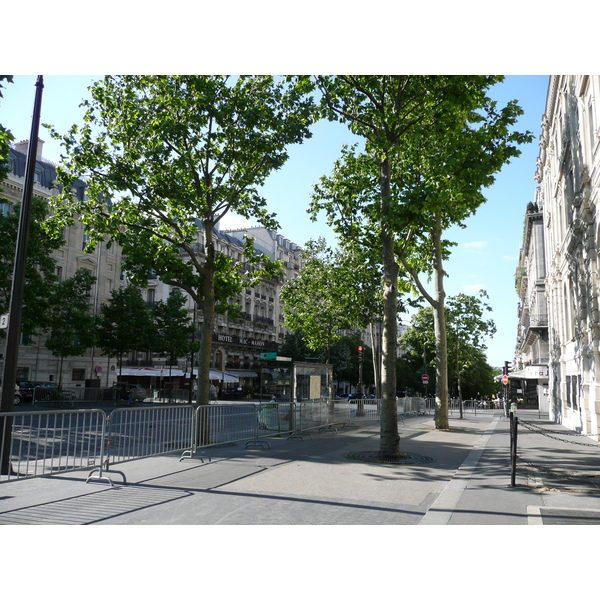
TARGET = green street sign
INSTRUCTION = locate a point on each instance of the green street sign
(268, 355)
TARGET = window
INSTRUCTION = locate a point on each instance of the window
(22, 373)
(78, 375)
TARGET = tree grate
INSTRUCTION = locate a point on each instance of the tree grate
(374, 456)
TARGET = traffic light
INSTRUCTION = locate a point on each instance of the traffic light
(506, 367)
(360, 353)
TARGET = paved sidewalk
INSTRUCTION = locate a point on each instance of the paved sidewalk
(455, 477)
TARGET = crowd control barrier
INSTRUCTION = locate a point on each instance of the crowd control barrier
(50, 442)
(41, 443)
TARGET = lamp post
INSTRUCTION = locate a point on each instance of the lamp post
(18, 285)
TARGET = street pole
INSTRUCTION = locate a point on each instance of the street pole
(18, 284)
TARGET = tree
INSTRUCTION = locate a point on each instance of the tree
(431, 144)
(295, 347)
(468, 328)
(172, 157)
(71, 322)
(40, 269)
(6, 137)
(334, 291)
(174, 328)
(125, 324)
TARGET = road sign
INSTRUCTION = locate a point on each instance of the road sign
(505, 379)
(4, 321)
(425, 378)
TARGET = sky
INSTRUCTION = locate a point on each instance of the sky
(487, 249)
(464, 37)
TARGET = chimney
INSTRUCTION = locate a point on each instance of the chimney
(23, 146)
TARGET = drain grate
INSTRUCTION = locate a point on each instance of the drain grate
(374, 456)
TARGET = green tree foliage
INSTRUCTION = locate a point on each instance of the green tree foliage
(431, 143)
(6, 137)
(71, 322)
(171, 157)
(40, 269)
(295, 347)
(125, 324)
(335, 291)
(174, 328)
(467, 330)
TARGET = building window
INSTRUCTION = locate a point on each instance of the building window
(78, 375)
(22, 373)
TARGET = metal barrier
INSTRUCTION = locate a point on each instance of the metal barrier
(225, 423)
(51, 442)
(48, 442)
(139, 432)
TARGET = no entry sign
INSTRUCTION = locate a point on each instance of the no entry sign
(425, 378)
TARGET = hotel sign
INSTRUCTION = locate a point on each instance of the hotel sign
(234, 339)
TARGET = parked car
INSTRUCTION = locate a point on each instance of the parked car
(121, 391)
(40, 391)
(24, 391)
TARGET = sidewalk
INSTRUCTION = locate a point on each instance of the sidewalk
(455, 477)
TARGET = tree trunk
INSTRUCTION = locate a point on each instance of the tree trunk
(208, 319)
(389, 444)
(439, 322)
(376, 362)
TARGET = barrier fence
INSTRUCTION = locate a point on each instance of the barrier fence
(41, 443)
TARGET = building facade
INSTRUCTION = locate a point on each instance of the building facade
(529, 380)
(36, 362)
(237, 343)
(568, 207)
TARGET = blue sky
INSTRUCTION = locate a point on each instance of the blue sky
(487, 251)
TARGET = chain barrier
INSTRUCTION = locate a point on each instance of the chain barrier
(537, 429)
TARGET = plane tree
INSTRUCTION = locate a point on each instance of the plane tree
(335, 291)
(431, 144)
(71, 321)
(6, 137)
(468, 329)
(40, 267)
(165, 159)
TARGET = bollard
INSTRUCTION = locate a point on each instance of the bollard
(514, 429)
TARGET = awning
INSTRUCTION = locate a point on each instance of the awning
(149, 372)
(218, 376)
(243, 373)
(531, 372)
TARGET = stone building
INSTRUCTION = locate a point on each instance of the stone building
(568, 199)
(529, 380)
(237, 343)
(36, 362)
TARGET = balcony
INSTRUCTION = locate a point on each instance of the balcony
(263, 320)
